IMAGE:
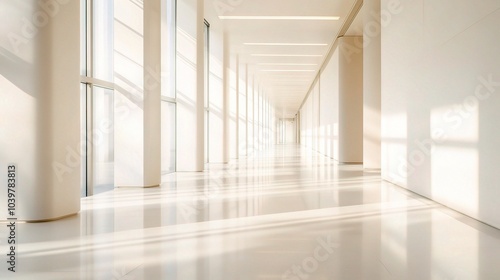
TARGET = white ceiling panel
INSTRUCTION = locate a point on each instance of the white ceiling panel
(284, 55)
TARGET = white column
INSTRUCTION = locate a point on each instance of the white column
(40, 109)
(226, 80)
(261, 123)
(259, 118)
(152, 93)
(138, 91)
(255, 116)
(250, 134)
(268, 126)
(190, 86)
(350, 102)
(372, 85)
(237, 144)
(266, 133)
(247, 83)
(200, 85)
(242, 111)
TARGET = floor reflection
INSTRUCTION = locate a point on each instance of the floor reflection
(288, 213)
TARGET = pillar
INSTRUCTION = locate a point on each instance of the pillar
(200, 86)
(371, 85)
(190, 86)
(40, 108)
(226, 79)
(137, 95)
(350, 101)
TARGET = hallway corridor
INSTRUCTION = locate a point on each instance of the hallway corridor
(288, 213)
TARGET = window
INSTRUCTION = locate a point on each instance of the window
(97, 95)
(168, 128)
(207, 88)
(168, 104)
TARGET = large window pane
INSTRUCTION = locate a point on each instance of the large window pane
(206, 63)
(96, 61)
(206, 133)
(169, 44)
(103, 40)
(83, 37)
(207, 89)
(167, 137)
(103, 139)
(83, 138)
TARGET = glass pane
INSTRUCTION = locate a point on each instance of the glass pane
(83, 139)
(103, 139)
(207, 89)
(206, 61)
(168, 63)
(103, 40)
(206, 135)
(256, 119)
(167, 137)
(249, 124)
(83, 37)
(242, 119)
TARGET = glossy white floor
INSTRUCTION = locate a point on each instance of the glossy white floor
(286, 214)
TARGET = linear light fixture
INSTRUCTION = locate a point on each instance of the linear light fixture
(291, 55)
(287, 64)
(286, 82)
(285, 44)
(284, 70)
(280, 17)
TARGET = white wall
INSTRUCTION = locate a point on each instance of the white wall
(306, 123)
(315, 115)
(329, 110)
(290, 131)
(332, 115)
(440, 84)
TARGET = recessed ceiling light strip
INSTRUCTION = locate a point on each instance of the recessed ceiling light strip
(284, 70)
(287, 55)
(285, 44)
(280, 17)
(287, 64)
(356, 7)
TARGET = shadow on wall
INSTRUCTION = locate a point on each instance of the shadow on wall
(18, 71)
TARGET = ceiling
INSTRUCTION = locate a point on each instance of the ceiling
(274, 49)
